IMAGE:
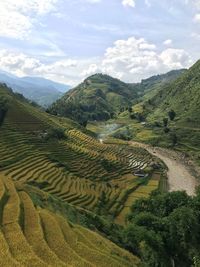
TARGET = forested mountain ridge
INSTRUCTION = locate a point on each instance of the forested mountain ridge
(182, 96)
(156, 81)
(101, 97)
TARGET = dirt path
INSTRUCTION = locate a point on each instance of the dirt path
(179, 175)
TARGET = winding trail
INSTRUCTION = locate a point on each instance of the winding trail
(179, 174)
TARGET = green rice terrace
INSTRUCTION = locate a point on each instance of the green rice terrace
(54, 159)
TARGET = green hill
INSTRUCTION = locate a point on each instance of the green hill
(150, 85)
(168, 114)
(99, 97)
(182, 96)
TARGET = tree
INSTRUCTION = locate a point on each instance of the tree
(174, 139)
(165, 122)
(55, 133)
(166, 130)
(172, 114)
(132, 116)
(84, 123)
(130, 110)
(3, 108)
(164, 230)
(182, 226)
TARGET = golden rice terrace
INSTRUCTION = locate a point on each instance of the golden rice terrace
(77, 170)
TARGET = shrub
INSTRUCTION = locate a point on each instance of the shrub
(166, 130)
(124, 134)
(174, 138)
(55, 133)
(3, 108)
(172, 114)
(165, 122)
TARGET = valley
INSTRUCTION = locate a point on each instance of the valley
(182, 173)
(93, 187)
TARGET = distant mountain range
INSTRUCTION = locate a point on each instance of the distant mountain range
(42, 91)
(100, 97)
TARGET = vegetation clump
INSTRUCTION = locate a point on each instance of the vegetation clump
(3, 108)
(55, 133)
(165, 229)
(123, 133)
(172, 114)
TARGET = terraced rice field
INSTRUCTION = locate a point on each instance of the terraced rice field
(141, 192)
(77, 170)
(32, 236)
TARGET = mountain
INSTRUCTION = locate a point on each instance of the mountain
(170, 114)
(99, 97)
(42, 91)
(182, 96)
(156, 81)
(47, 83)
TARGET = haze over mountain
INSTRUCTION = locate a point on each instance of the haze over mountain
(40, 90)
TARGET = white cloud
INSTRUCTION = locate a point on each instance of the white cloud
(175, 58)
(92, 69)
(195, 35)
(196, 3)
(18, 63)
(93, 1)
(18, 17)
(133, 59)
(130, 60)
(21, 65)
(197, 18)
(129, 3)
(148, 3)
(167, 42)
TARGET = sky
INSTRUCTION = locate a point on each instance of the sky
(68, 40)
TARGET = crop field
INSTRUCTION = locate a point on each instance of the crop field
(31, 236)
(75, 169)
(79, 170)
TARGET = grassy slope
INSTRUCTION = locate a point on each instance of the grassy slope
(182, 96)
(77, 170)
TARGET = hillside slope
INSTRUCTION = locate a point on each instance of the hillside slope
(182, 96)
(99, 97)
(157, 81)
(55, 176)
(34, 236)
